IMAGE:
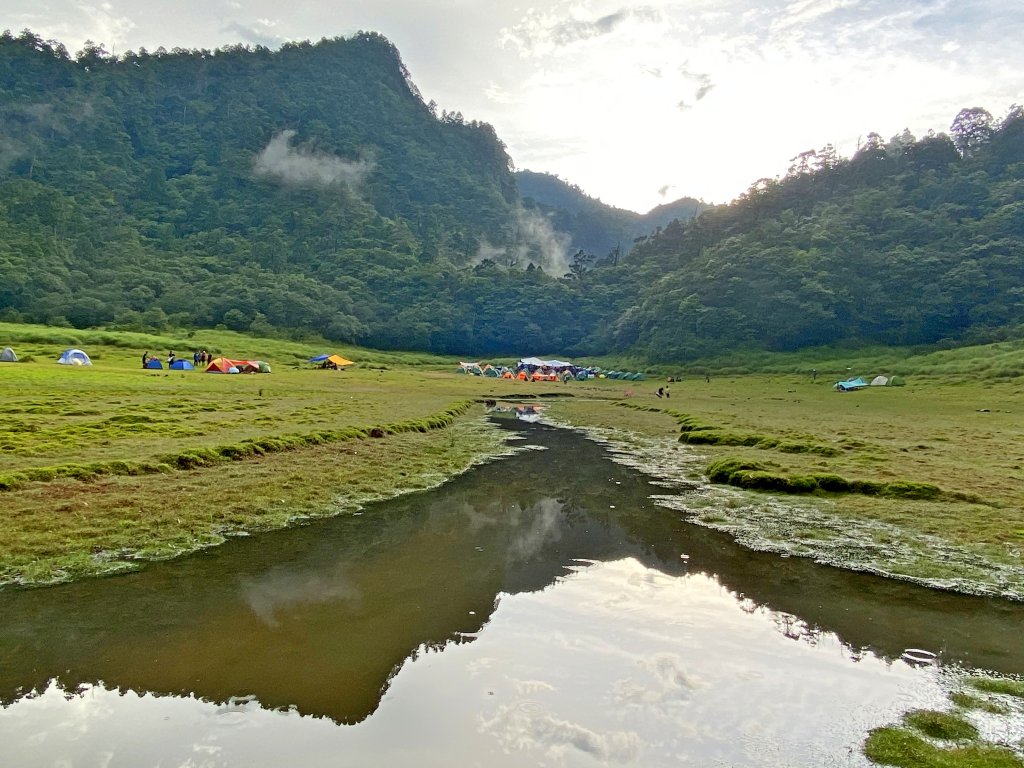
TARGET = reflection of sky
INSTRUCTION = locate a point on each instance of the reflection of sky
(615, 664)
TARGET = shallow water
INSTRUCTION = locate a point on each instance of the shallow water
(540, 610)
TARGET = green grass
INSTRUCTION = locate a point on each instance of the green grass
(1004, 686)
(935, 739)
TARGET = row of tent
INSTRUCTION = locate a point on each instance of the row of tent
(217, 365)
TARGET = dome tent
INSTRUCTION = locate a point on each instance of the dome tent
(8, 356)
(74, 357)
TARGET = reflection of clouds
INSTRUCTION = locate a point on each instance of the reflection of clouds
(666, 679)
(529, 687)
(544, 526)
(280, 588)
(519, 728)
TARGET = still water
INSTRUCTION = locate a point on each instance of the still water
(541, 610)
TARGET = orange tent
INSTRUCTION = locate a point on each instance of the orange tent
(224, 365)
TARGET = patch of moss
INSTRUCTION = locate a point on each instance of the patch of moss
(904, 748)
(967, 701)
(945, 726)
(1006, 686)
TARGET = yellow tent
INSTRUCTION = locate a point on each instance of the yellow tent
(339, 361)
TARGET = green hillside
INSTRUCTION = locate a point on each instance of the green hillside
(311, 190)
(597, 228)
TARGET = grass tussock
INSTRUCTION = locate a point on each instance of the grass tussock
(756, 476)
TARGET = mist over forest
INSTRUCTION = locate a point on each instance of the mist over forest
(311, 189)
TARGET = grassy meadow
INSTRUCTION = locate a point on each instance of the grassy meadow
(102, 465)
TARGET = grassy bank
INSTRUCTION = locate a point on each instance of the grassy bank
(923, 481)
(104, 465)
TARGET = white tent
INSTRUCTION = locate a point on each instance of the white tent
(879, 381)
(8, 356)
(74, 357)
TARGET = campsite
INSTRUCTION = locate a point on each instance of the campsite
(139, 469)
(784, 423)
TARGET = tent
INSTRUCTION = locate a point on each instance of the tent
(329, 360)
(887, 381)
(74, 357)
(155, 364)
(226, 365)
(8, 356)
(179, 365)
(849, 385)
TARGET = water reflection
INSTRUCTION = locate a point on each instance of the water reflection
(603, 628)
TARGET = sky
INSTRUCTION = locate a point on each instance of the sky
(637, 103)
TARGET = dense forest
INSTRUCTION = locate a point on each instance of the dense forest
(311, 189)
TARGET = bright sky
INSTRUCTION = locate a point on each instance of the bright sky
(637, 103)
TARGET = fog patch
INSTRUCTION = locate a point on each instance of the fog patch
(535, 241)
(306, 167)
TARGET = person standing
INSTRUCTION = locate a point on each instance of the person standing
(145, 358)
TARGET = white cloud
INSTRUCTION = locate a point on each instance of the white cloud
(307, 167)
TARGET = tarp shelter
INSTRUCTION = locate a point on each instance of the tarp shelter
(850, 384)
(337, 360)
(179, 365)
(8, 356)
(155, 364)
(536, 362)
(74, 357)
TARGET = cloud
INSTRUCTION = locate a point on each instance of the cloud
(306, 167)
(106, 27)
(540, 33)
(536, 242)
(258, 33)
(519, 729)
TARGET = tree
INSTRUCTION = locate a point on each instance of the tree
(971, 129)
(579, 265)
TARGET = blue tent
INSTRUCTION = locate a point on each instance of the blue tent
(74, 357)
(318, 358)
(154, 362)
(849, 385)
(180, 365)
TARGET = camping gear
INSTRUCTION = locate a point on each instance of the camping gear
(8, 356)
(180, 365)
(154, 364)
(326, 361)
(74, 357)
(225, 365)
(850, 385)
(263, 366)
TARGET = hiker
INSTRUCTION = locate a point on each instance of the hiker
(195, 357)
(170, 359)
(660, 392)
(814, 374)
(145, 358)
(667, 395)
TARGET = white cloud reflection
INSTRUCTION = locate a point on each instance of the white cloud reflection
(614, 664)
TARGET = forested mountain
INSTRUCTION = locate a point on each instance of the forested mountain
(907, 242)
(594, 227)
(312, 189)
